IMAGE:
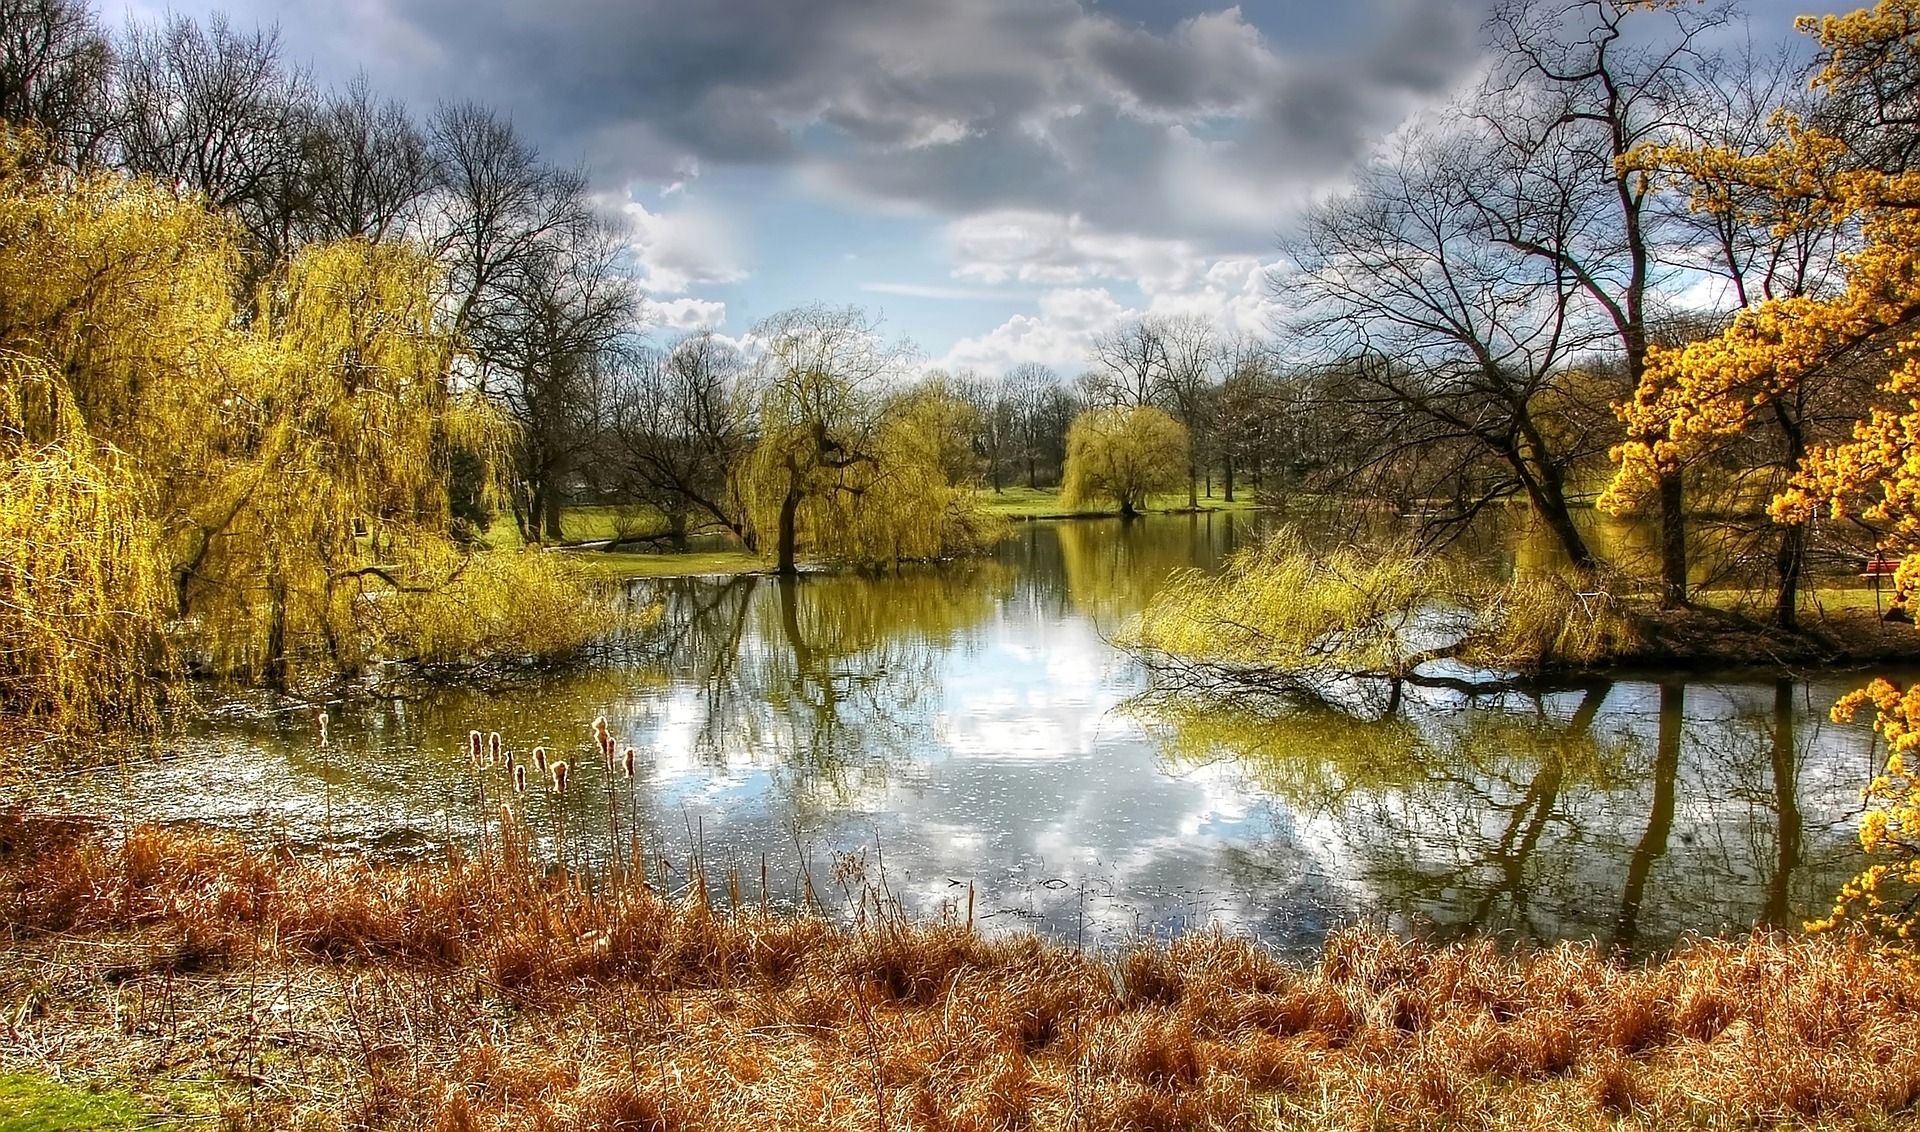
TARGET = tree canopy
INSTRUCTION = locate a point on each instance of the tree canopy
(1123, 455)
(280, 474)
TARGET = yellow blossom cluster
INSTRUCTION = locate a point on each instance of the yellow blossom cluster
(1823, 177)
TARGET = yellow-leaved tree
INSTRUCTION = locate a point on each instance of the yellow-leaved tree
(1122, 456)
(82, 585)
(1852, 166)
(280, 466)
(843, 469)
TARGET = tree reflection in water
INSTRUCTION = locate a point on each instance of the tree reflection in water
(828, 678)
(1613, 811)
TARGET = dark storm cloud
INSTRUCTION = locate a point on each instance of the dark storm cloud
(957, 105)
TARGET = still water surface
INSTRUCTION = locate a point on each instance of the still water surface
(969, 729)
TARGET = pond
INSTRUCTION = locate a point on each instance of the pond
(967, 735)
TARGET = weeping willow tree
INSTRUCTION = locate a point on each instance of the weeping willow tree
(1123, 456)
(1284, 614)
(841, 469)
(328, 498)
(82, 583)
(287, 461)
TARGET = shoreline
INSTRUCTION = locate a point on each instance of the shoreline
(487, 992)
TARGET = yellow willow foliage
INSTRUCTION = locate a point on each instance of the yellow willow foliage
(1281, 606)
(82, 587)
(330, 464)
(1123, 456)
(492, 607)
(1543, 620)
(125, 291)
(291, 462)
(873, 497)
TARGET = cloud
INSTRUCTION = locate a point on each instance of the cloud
(687, 247)
(1040, 247)
(683, 314)
(935, 291)
(1231, 292)
(953, 107)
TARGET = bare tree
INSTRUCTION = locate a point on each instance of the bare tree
(1126, 365)
(1456, 346)
(55, 70)
(1250, 405)
(1043, 408)
(550, 346)
(371, 168)
(218, 112)
(499, 208)
(995, 420)
(682, 421)
(1189, 351)
(1580, 85)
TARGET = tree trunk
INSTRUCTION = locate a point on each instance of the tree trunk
(273, 672)
(525, 512)
(1790, 556)
(1653, 841)
(1553, 507)
(551, 520)
(1548, 497)
(1227, 468)
(789, 522)
(1193, 487)
(1787, 563)
(1673, 541)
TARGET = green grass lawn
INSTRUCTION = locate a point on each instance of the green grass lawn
(691, 564)
(593, 523)
(35, 1102)
(596, 523)
(1830, 598)
(1044, 502)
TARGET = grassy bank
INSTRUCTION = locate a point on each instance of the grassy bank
(580, 527)
(598, 524)
(1045, 503)
(485, 995)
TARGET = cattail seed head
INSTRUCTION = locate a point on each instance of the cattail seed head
(540, 759)
(320, 725)
(520, 778)
(493, 743)
(473, 745)
(626, 761)
(560, 776)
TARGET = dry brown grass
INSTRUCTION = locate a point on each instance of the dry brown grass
(482, 995)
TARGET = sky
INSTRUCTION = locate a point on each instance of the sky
(999, 180)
